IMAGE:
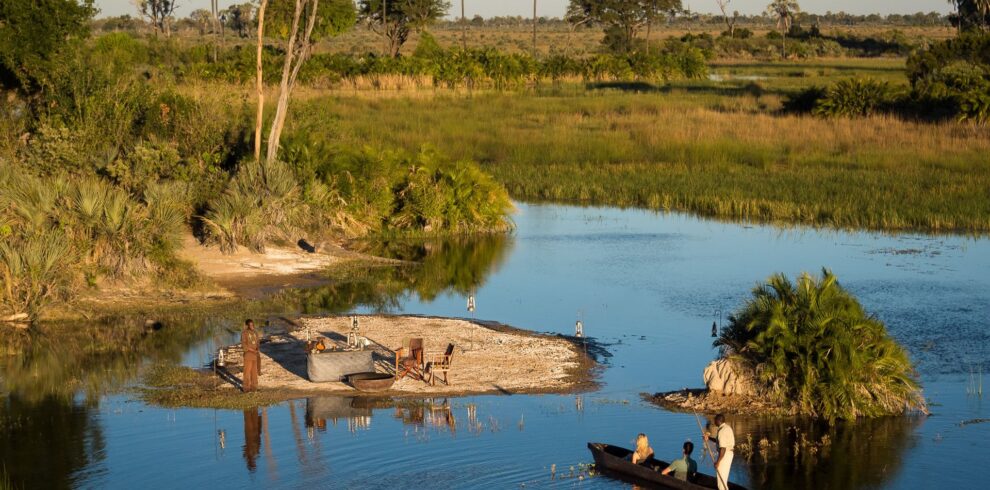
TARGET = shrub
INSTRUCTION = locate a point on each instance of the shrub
(855, 97)
(812, 345)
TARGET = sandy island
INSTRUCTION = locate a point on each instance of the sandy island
(488, 358)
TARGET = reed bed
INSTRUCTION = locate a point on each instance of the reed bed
(697, 150)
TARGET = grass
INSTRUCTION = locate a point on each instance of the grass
(174, 386)
(710, 148)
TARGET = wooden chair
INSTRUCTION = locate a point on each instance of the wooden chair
(440, 364)
(409, 359)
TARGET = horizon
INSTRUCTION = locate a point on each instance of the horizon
(556, 8)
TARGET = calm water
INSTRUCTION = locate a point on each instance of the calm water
(646, 285)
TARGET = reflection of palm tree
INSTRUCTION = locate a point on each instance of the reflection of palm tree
(783, 11)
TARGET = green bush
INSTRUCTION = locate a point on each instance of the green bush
(812, 345)
(855, 98)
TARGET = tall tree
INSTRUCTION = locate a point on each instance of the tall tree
(730, 22)
(534, 28)
(301, 23)
(260, 82)
(159, 14)
(33, 33)
(398, 18)
(783, 11)
(621, 19)
(971, 15)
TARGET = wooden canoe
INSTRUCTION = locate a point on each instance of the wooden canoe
(611, 460)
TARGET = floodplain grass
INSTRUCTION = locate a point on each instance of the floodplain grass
(717, 149)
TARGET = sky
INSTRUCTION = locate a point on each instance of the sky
(556, 8)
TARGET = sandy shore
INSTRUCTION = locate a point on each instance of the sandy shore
(487, 358)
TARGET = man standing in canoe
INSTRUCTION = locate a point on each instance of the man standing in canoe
(252, 357)
(725, 440)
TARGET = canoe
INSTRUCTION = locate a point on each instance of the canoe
(611, 460)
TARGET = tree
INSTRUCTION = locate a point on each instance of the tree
(202, 19)
(730, 22)
(396, 19)
(784, 11)
(239, 18)
(33, 33)
(159, 14)
(301, 23)
(621, 19)
(812, 345)
(971, 15)
(260, 82)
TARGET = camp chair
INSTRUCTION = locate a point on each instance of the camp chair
(409, 359)
(440, 363)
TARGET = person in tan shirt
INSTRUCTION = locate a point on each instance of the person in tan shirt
(252, 357)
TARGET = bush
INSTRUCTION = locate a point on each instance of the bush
(813, 346)
(855, 97)
(953, 76)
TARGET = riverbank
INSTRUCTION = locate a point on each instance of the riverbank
(704, 401)
(489, 358)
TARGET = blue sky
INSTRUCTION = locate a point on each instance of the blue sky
(556, 8)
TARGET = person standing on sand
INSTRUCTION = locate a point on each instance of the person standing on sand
(252, 357)
(725, 439)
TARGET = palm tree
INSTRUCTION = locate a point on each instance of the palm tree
(972, 13)
(811, 344)
(783, 11)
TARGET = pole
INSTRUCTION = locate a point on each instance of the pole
(704, 440)
(463, 28)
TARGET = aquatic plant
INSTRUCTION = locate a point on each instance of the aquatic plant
(813, 346)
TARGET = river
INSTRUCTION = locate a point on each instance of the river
(647, 286)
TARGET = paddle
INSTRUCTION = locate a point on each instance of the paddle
(704, 441)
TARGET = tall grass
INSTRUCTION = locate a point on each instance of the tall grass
(699, 150)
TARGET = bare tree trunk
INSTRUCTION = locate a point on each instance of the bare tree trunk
(534, 28)
(463, 28)
(261, 82)
(388, 40)
(214, 9)
(295, 55)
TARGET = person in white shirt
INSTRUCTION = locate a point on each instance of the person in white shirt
(725, 439)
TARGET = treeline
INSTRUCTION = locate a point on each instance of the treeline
(238, 21)
(949, 79)
(430, 65)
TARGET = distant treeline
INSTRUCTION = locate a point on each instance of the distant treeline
(238, 21)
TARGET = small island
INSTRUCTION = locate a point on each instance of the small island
(487, 358)
(804, 348)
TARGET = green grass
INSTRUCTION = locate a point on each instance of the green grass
(710, 148)
(172, 386)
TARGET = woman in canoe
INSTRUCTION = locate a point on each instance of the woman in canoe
(643, 450)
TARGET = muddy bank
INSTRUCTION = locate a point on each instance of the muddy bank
(488, 358)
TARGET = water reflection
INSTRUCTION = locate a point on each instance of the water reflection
(786, 454)
(46, 442)
(252, 437)
(451, 265)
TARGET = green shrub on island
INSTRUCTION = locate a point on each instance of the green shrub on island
(321, 193)
(813, 347)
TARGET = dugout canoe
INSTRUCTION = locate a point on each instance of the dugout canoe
(611, 460)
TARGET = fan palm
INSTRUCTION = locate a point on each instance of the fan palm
(811, 343)
(784, 11)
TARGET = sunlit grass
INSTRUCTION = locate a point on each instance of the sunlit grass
(704, 150)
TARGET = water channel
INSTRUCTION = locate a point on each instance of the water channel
(645, 285)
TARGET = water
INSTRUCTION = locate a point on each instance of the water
(646, 285)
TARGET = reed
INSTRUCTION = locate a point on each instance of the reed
(696, 149)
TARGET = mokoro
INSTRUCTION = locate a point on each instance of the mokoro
(611, 460)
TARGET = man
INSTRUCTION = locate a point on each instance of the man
(725, 439)
(252, 357)
(684, 468)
